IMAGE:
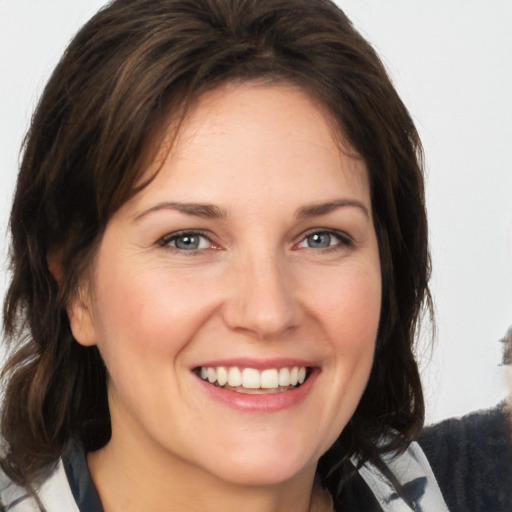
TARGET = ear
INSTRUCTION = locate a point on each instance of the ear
(81, 319)
(78, 310)
(54, 261)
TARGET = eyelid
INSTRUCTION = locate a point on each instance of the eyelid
(165, 240)
(344, 238)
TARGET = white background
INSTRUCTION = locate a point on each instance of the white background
(451, 61)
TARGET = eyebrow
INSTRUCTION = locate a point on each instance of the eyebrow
(317, 209)
(207, 211)
(210, 211)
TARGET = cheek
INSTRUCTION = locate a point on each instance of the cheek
(348, 311)
(349, 306)
(147, 312)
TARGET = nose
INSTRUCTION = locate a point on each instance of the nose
(262, 302)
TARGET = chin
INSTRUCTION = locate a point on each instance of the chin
(273, 464)
(263, 473)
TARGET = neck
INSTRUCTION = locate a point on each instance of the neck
(132, 476)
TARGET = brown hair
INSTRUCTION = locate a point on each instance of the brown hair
(101, 119)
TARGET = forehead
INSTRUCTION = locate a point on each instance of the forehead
(252, 135)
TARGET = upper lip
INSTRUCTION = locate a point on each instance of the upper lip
(257, 364)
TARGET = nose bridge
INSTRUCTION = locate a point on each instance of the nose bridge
(263, 300)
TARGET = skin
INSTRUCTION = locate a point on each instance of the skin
(256, 287)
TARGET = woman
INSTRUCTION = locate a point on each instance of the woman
(219, 253)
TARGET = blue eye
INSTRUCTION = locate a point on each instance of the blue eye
(323, 240)
(319, 240)
(186, 241)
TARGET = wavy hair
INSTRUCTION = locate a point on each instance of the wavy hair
(129, 73)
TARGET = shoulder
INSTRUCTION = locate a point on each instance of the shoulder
(472, 460)
(374, 488)
(67, 487)
(413, 476)
(53, 493)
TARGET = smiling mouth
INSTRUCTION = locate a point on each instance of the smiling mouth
(253, 381)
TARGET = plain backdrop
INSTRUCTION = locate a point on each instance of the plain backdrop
(451, 61)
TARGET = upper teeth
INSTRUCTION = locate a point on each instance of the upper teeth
(250, 378)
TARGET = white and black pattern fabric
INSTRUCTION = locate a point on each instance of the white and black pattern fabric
(55, 495)
(413, 472)
(69, 488)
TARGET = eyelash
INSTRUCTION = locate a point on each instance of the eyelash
(344, 241)
(167, 240)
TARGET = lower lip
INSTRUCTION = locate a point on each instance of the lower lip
(262, 403)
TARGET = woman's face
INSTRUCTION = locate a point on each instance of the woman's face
(249, 262)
